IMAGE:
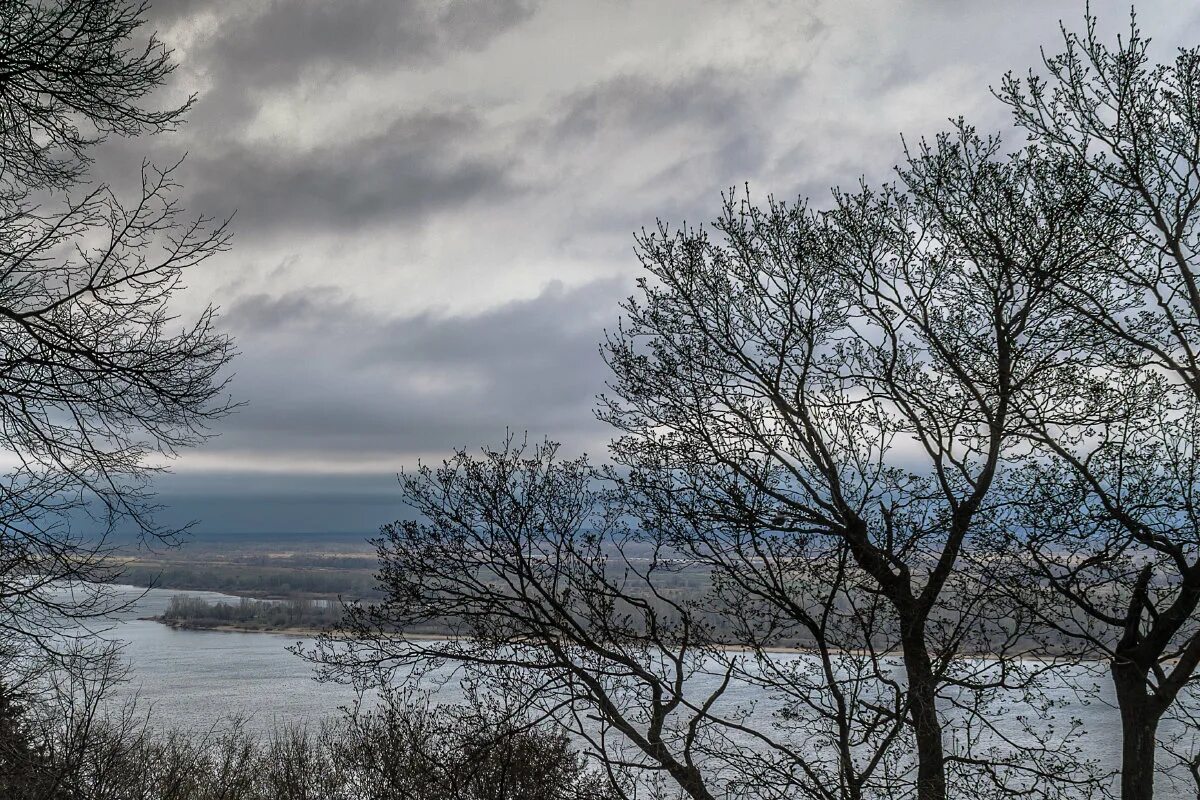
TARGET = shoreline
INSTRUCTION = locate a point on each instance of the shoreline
(312, 633)
(299, 630)
(185, 626)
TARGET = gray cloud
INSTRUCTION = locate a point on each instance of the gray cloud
(638, 105)
(283, 41)
(407, 174)
(415, 167)
(721, 114)
(426, 161)
(249, 51)
(324, 376)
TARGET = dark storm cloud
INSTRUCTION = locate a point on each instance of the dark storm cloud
(286, 40)
(249, 52)
(427, 160)
(423, 162)
(414, 167)
(324, 376)
(258, 45)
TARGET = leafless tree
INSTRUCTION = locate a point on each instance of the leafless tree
(1110, 528)
(940, 435)
(524, 564)
(846, 383)
(1126, 132)
(100, 379)
(522, 570)
(816, 408)
(73, 72)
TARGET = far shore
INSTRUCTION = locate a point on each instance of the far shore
(312, 633)
(189, 626)
(309, 632)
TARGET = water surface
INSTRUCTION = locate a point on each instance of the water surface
(199, 680)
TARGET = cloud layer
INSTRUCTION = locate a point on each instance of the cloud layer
(435, 201)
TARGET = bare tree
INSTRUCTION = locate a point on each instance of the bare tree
(73, 72)
(523, 570)
(849, 381)
(1110, 527)
(1118, 540)
(816, 410)
(931, 434)
(100, 380)
(544, 595)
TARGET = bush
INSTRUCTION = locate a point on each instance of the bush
(399, 751)
(26, 769)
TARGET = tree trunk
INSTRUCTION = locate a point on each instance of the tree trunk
(691, 782)
(1140, 714)
(922, 699)
(687, 777)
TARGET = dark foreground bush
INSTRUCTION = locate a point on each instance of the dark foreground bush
(26, 768)
(397, 752)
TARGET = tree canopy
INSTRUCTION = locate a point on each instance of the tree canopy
(938, 433)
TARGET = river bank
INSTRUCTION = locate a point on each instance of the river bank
(179, 625)
(311, 632)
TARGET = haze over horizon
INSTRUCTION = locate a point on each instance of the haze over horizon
(435, 209)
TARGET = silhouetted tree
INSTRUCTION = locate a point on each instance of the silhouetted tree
(73, 72)
(406, 748)
(844, 386)
(1112, 515)
(950, 417)
(99, 378)
(25, 770)
(522, 564)
(765, 383)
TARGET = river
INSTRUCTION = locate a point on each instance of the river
(202, 679)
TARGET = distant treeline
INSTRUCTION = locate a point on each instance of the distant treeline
(194, 612)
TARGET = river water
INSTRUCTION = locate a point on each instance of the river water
(202, 679)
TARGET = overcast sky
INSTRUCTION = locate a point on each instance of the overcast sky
(435, 201)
